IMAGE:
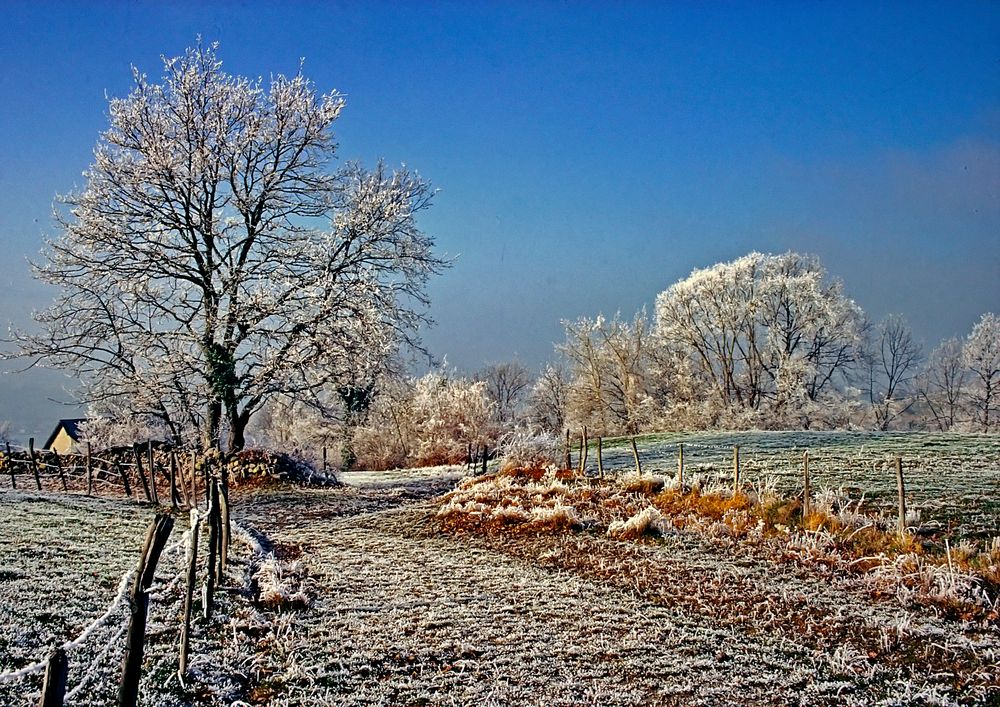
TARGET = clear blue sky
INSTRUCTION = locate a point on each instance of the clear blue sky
(588, 154)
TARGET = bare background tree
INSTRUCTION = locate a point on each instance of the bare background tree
(507, 384)
(941, 385)
(891, 364)
(215, 262)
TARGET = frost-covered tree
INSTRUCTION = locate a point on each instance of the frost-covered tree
(215, 260)
(609, 376)
(941, 385)
(891, 364)
(761, 335)
(548, 399)
(450, 413)
(110, 426)
(982, 355)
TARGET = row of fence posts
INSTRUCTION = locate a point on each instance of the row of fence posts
(178, 492)
(477, 457)
(737, 485)
(217, 500)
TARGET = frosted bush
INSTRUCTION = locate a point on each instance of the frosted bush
(528, 449)
(282, 585)
(647, 521)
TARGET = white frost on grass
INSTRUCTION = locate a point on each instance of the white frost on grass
(645, 522)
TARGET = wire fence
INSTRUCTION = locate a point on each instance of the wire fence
(125, 613)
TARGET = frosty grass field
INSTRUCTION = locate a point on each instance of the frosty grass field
(952, 479)
(390, 608)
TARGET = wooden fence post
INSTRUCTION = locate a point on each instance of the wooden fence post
(325, 466)
(680, 466)
(600, 458)
(156, 539)
(192, 579)
(807, 492)
(208, 589)
(10, 463)
(194, 478)
(124, 475)
(34, 462)
(901, 489)
(152, 471)
(635, 455)
(569, 452)
(224, 519)
(173, 480)
(486, 456)
(736, 469)
(54, 686)
(90, 471)
(208, 485)
(583, 452)
(62, 473)
(139, 472)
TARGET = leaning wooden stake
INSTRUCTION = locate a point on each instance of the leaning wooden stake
(152, 472)
(194, 478)
(62, 472)
(583, 452)
(174, 495)
(635, 455)
(680, 466)
(736, 469)
(486, 456)
(208, 589)
(192, 579)
(806, 491)
(139, 472)
(10, 465)
(568, 461)
(156, 539)
(901, 489)
(90, 472)
(224, 521)
(600, 458)
(34, 462)
(54, 687)
(124, 475)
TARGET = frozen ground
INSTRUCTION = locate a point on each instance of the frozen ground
(400, 612)
(406, 615)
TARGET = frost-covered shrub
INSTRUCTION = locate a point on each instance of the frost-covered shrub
(528, 449)
(647, 521)
(282, 585)
(428, 421)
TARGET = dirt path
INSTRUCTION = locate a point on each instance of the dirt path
(403, 615)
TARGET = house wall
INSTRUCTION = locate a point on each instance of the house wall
(63, 443)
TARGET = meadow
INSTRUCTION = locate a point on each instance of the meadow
(953, 480)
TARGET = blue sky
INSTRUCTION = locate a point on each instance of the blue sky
(588, 154)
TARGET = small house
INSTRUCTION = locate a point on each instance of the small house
(65, 438)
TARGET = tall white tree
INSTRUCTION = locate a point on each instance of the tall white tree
(761, 334)
(215, 259)
(982, 356)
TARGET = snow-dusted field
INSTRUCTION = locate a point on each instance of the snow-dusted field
(952, 479)
(398, 611)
